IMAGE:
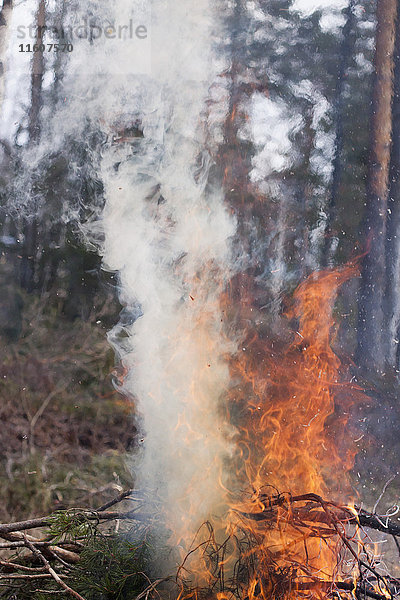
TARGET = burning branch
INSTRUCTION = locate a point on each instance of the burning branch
(266, 570)
(345, 514)
(273, 550)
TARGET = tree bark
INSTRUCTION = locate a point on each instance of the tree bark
(303, 193)
(392, 296)
(370, 351)
(344, 59)
(5, 19)
(30, 229)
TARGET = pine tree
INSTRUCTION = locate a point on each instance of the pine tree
(370, 351)
(30, 230)
(5, 19)
(392, 296)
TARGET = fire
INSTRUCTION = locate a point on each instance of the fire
(291, 397)
(283, 541)
(288, 446)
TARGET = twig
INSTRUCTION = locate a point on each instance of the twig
(11, 565)
(51, 571)
(89, 514)
(396, 541)
(116, 500)
(151, 588)
(40, 411)
(50, 592)
(38, 576)
(20, 544)
(67, 555)
(389, 481)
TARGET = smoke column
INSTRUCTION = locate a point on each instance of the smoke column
(169, 240)
(167, 233)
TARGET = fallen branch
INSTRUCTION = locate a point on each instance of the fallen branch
(374, 522)
(15, 576)
(63, 553)
(16, 566)
(122, 496)
(91, 515)
(11, 545)
(330, 586)
(308, 517)
(51, 571)
(346, 514)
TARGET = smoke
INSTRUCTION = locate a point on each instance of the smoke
(166, 231)
(147, 111)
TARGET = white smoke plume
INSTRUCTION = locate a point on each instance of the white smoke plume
(167, 232)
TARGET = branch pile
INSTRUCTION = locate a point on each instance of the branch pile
(300, 547)
(260, 571)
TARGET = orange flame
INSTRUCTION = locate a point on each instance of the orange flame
(288, 444)
(287, 435)
(288, 411)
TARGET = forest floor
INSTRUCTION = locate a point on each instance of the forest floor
(65, 430)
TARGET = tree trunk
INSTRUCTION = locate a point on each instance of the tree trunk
(346, 51)
(233, 158)
(5, 20)
(392, 296)
(30, 229)
(37, 78)
(370, 351)
(303, 194)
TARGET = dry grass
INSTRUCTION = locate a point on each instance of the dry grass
(65, 429)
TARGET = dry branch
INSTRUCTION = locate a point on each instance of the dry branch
(345, 514)
(62, 553)
(36, 576)
(89, 514)
(14, 566)
(51, 571)
(309, 515)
